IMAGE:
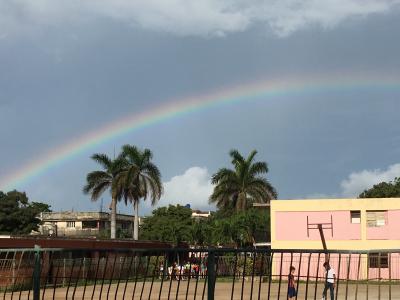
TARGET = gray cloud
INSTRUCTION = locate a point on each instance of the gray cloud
(191, 17)
(357, 182)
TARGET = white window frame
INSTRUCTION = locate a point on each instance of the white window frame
(70, 224)
(354, 219)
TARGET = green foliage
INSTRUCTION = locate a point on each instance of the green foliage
(168, 224)
(17, 215)
(241, 229)
(243, 185)
(139, 179)
(225, 228)
(123, 233)
(383, 190)
(131, 176)
(41, 207)
(97, 182)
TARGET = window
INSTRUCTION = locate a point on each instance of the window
(125, 225)
(89, 224)
(355, 216)
(376, 218)
(71, 224)
(377, 260)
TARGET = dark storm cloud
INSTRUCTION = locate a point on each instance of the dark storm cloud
(59, 81)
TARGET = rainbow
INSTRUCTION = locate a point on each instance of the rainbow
(261, 90)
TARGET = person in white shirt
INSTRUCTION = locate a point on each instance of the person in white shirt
(330, 281)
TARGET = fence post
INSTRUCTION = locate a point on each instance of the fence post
(211, 274)
(36, 274)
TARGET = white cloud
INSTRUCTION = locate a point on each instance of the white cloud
(357, 182)
(193, 17)
(192, 187)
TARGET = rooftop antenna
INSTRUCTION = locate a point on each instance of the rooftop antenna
(101, 205)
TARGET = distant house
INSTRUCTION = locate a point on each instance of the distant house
(82, 224)
(198, 214)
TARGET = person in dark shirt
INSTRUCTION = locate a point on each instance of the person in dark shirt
(291, 284)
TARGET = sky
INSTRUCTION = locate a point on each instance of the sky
(69, 67)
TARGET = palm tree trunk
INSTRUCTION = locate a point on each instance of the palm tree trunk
(113, 218)
(241, 202)
(136, 220)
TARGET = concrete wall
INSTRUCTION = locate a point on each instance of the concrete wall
(292, 226)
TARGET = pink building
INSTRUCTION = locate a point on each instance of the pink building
(348, 224)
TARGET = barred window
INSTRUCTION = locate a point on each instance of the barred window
(355, 216)
(71, 224)
(377, 260)
(376, 218)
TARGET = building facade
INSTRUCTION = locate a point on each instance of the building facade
(347, 224)
(199, 215)
(82, 224)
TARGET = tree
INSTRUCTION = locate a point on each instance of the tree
(243, 185)
(41, 207)
(241, 228)
(383, 190)
(168, 224)
(97, 182)
(175, 224)
(201, 232)
(17, 215)
(140, 179)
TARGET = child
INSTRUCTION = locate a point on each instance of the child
(330, 281)
(291, 284)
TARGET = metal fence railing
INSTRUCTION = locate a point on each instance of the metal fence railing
(194, 274)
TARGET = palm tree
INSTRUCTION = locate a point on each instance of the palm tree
(97, 182)
(141, 179)
(242, 186)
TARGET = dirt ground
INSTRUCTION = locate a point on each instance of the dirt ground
(223, 290)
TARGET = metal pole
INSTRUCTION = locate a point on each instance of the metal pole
(338, 276)
(321, 233)
(211, 274)
(36, 274)
(390, 275)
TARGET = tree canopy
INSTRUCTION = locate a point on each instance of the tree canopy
(168, 224)
(225, 227)
(140, 179)
(18, 215)
(243, 185)
(389, 189)
(131, 176)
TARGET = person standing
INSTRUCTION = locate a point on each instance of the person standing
(330, 281)
(291, 284)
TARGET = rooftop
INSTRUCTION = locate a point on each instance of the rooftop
(81, 216)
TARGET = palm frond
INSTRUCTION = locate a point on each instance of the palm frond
(242, 185)
(258, 168)
(98, 190)
(103, 160)
(251, 156)
(95, 178)
(142, 177)
(222, 174)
